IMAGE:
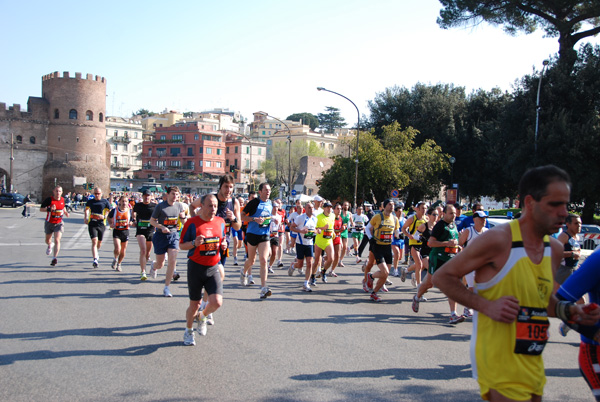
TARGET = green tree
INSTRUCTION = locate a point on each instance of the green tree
(569, 21)
(144, 113)
(331, 119)
(282, 158)
(307, 118)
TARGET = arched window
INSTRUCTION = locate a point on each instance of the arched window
(89, 116)
(73, 114)
(19, 139)
(32, 140)
(56, 113)
(101, 117)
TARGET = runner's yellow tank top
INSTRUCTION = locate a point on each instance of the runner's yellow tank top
(495, 361)
(412, 229)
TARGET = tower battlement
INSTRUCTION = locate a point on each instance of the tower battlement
(67, 75)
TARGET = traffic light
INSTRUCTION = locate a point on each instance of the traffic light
(232, 168)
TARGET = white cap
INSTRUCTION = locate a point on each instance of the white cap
(317, 198)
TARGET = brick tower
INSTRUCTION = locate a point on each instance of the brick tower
(77, 145)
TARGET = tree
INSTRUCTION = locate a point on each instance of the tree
(331, 119)
(280, 162)
(570, 21)
(307, 118)
(144, 113)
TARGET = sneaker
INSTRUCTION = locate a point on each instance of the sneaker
(167, 292)
(291, 269)
(313, 281)
(455, 318)
(210, 320)
(402, 274)
(95, 264)
(467, 313)
(341, 264)
(114, 263)
(413, 280)
(143, 277)
(189, 338)
(415, 304)
(384, 289)
(375, 298)
(270, 270)
(388, 282)
(563, 329)
(306, 287)
(54, 262)
(49, 249)
(318, 274)
(279, 264)
(118, 268)
(202, 326)
(364, 266)
(370, 281)
(422, 299)
(333, 274)
(396, 273)
(235, 262)
(176, 275)
(358, 260)
(265, 292)
(243, 279)
(324, 277)
(153, 271)
(251, 280)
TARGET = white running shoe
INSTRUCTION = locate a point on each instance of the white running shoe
(413, 280)
(265, 292)
(250, 280)
(291, 269)
(202, 326)
(210, 320)
(167, 292)
(243, 279)
(153, 271)
(189, 338)
(114, 263)
(49, 249)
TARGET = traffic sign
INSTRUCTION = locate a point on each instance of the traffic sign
(293, 192)
(395, 193)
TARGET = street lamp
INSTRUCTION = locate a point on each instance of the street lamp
(289, 138)
(357, 135)
(537, 109)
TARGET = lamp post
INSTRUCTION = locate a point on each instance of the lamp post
(537, 109)
(289, 138)
(357, 135)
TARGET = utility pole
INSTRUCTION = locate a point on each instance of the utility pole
(12, 158)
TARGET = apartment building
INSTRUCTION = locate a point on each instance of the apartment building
(243, 157)
(124, 137)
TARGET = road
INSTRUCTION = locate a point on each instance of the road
(74, 333)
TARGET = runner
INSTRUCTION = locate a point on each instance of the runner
(54, 206)
(258, 215)
(514, 265)
(204, 237)
(120, 220)
(398, 241)
(142, 212)
(304, 226)
(409, 229)
(281, 233)
(323, 243)
(94, 216)
(338, 229)
(360, 220)
(347, 223)
(166, 238)
(276, 223)
(297, 211)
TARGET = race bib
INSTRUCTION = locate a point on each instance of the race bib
(309, 235)
(451, 250)
(209, 247)
(327, 233)
(385, 237)
(97, 217)
(266, 223)
(532, 330)
(142, 224)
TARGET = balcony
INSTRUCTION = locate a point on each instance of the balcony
(123, 140)
(120, 166)
(167, 141)
(181, 168)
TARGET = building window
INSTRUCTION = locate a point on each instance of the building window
(260, 151)
(116, 147)
(190, 152)
(196, 137)
(209, 150)
(19, 139)
(32, 140)
(247, 163)
(116, 133)
(175, 151)
(176, 163)
(200, 150)
(56, 113)
(219, 164)
(58, 138)
(100, 117)
(163, 137)
(247, 150)
(219, 151)
(200, 163)
(126, 134)
(73, 114)
(269, 142)
(115, 160)
(125, 147)
(135, 134)
(208, 163)
(227, 150)
(89, 116)
(77, 139)
(264, 132)
(258, 164)
(94, 140)
(177, 137)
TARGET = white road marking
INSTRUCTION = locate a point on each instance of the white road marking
(74, 242)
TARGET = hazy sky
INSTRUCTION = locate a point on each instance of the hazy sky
(254, 55)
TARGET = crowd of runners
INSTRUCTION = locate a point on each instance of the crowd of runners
(505, 280)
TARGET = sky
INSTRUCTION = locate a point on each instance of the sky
(252, 56)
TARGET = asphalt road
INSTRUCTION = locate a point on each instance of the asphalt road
(72, 333)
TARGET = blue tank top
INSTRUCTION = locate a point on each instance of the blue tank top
(263, 210)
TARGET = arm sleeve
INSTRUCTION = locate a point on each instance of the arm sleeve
(369, 230)
(251, 207)
(46, 203)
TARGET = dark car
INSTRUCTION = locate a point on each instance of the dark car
(12, 200)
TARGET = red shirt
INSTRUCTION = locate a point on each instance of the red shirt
(208, 253)
(56, 215)
(281, 227)
(337, 228)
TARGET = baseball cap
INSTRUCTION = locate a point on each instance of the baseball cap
(327, 204)
(479, 214)
(147, 192)
(317, 198)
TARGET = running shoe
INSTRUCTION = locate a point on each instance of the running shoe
(95, 264)
(388, 282)
(202, 326)
(235, 262)
(415, 304)
(251, 280)
(167, 292)
(422, 299)
(563, 329)
(118, 268)
(279, 264)
(210, 320)
(455, 318)
(291, 269)
(333, 274)
(153, 272)
(384, 289)
(270, 270)
(467, 313)
(243, 279)
(54, 262)
(396, 273)
(49, 249)
(324, 277)
(402, 274)
(306, 287)
(114, 263)
(413, 280)
(370, 281)
(375, 298)
(176, 275)
(265, 292)
(364, 266)
(143, 277)
(318, 274)
(313, 281)
(341, 264)
(189, 338)
(358, 260)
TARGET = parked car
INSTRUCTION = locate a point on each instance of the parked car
(497, 220)
(12, 199)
